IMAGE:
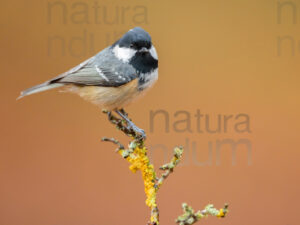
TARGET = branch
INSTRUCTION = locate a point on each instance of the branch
(189, 217)
(169, 167)
(114, 141)
(136, 155)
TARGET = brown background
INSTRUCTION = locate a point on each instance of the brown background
(217, 56)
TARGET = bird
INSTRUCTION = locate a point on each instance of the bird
(114, 77)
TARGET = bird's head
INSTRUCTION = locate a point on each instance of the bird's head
(135, 45)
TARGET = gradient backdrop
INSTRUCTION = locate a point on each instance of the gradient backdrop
(221, 57)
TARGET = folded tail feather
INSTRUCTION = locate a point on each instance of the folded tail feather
(39, 88)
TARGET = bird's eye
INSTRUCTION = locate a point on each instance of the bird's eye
(131, 45)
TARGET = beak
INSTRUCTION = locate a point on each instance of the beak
(144, 50)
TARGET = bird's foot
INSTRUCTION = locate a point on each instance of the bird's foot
(137, 130)
(139, 133)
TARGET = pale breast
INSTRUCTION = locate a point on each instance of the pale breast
(109, 98)
(148, 79)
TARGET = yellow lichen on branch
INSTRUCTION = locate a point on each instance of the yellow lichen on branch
(136, 155)
(138, 159)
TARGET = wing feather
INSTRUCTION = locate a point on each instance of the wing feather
(104, 69)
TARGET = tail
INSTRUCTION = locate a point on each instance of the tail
(39, 88)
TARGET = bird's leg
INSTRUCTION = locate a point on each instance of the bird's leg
(123, 112)
(130, 124)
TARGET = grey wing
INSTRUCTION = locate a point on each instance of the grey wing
(101, 70)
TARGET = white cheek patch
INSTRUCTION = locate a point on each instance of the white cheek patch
(124, 54)
(153, 52)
